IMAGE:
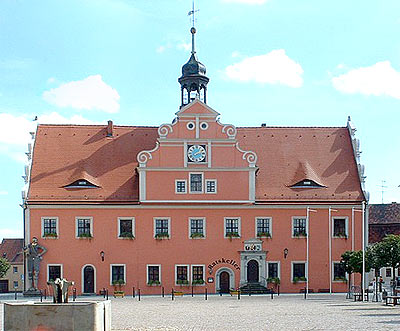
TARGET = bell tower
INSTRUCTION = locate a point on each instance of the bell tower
(193, 80)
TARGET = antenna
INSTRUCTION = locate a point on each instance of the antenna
(383, 186)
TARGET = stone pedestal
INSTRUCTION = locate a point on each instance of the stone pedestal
(74, 316)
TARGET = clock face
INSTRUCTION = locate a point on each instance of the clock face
(196, 153)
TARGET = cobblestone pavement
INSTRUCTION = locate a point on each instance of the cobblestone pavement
(286, 312)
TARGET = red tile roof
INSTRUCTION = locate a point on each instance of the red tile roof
(384, 213)
(65, 153)
(11, 249)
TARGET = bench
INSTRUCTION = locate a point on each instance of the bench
(392, 300)
(358, 296)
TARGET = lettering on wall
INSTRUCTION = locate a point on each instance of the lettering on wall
(223, 261)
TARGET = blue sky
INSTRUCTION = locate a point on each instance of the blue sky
(279, 62)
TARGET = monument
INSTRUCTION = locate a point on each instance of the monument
(33, 254)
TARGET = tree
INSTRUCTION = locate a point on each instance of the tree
(353, 262)
(348, 268)
(4, 266)
(388, 252)
(375, 262)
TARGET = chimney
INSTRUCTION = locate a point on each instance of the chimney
(263, 125)
(110, 128)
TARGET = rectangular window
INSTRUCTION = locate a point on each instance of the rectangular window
(53, 272)
(15, 270)
(273, 271)
(389, 272)
(198, 275)
(180, 186)
(118, 273)
(298, 272)
(299, 227)
(211, 186)
(84, 227)
(182, 274)
(339, 273)
(196, 183)
(15, 283)
(263, 227)
(126, 228)
(49, 227)
(339, 228)
(153, 275)
(232, 227)
(197, 227)
(161, 228)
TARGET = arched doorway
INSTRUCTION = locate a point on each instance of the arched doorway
(252, 272)
(224, 282)
(88, 280)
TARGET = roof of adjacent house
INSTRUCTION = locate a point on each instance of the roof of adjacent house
(384, 213)
(64, 154)
(11, 249)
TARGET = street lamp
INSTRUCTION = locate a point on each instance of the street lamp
(102, 255)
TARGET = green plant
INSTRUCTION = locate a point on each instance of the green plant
(162, 235)
(264, 234)
(50, 235)
(274, 280)
(232, 234)
(182, 282)
(126, 235)
(198, 282)
(299, 279)
(153, 282)
(4, 266)
(300, 234)
(119, 292)
(197, 235)
(118, 282)
(85, 235)
(341, 279)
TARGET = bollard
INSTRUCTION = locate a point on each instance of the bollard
(238, 294)
(172, 294)
(133, 292)
(162, 291)
(41, 297)
(205, 292)
(279, 290)
(138, 293)
(106, 294)
(45, 294)
(272, 294)
(192, 291)
(220, 293)
(74, 294)
(249, 291)
(15, 294)
(305, 293)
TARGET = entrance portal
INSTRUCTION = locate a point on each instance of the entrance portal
(252, 272)
(224, 283)
(88, 279)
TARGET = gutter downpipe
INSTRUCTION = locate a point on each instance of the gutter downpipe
(363, 249)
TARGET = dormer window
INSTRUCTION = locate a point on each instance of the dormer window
(81, 183)
(306, 183)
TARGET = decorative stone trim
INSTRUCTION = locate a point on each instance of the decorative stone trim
(144, 156)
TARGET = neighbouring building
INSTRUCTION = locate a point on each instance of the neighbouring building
(11, 249)
(195, 203)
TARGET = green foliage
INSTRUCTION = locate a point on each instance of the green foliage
(388, 251)
(232, 234)
(50, 235)
(85, 235)
(198, 282)
(299, 279)
(4, 266)
(197, 235)
(300, 234)
(153, 282)
(118, 282)
(162, 235)
(274, 280)
(264, 234)
(182, 282)
(126, 235)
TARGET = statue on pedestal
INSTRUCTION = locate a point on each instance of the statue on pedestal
(33, 253)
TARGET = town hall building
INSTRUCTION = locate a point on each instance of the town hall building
(195, 203)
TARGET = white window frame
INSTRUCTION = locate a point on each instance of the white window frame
(215, 184)
(42, 227)
(154, 226)
(202, 183)
(293, 218)
(176, 186)
(279, 268)
(119, 227)
(54, 265)
(346, 226)
(15, 269)
(239, 226)
(333, 273)
(204, 274)
(76, 224)
(117, 265)
(270, 225)
(147, 272)
(204, 226)
(292, 271)
(188, 274)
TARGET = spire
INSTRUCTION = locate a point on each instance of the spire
(193, 80)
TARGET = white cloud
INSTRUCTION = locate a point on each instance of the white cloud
(378, 79)
(89, 93)
(3, 193)
(182, 46)
(274, 67)
(248, 2)
(161, 49)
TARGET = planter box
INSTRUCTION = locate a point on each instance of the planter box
(85, 316)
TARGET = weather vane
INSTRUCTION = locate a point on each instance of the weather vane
(192, 13)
